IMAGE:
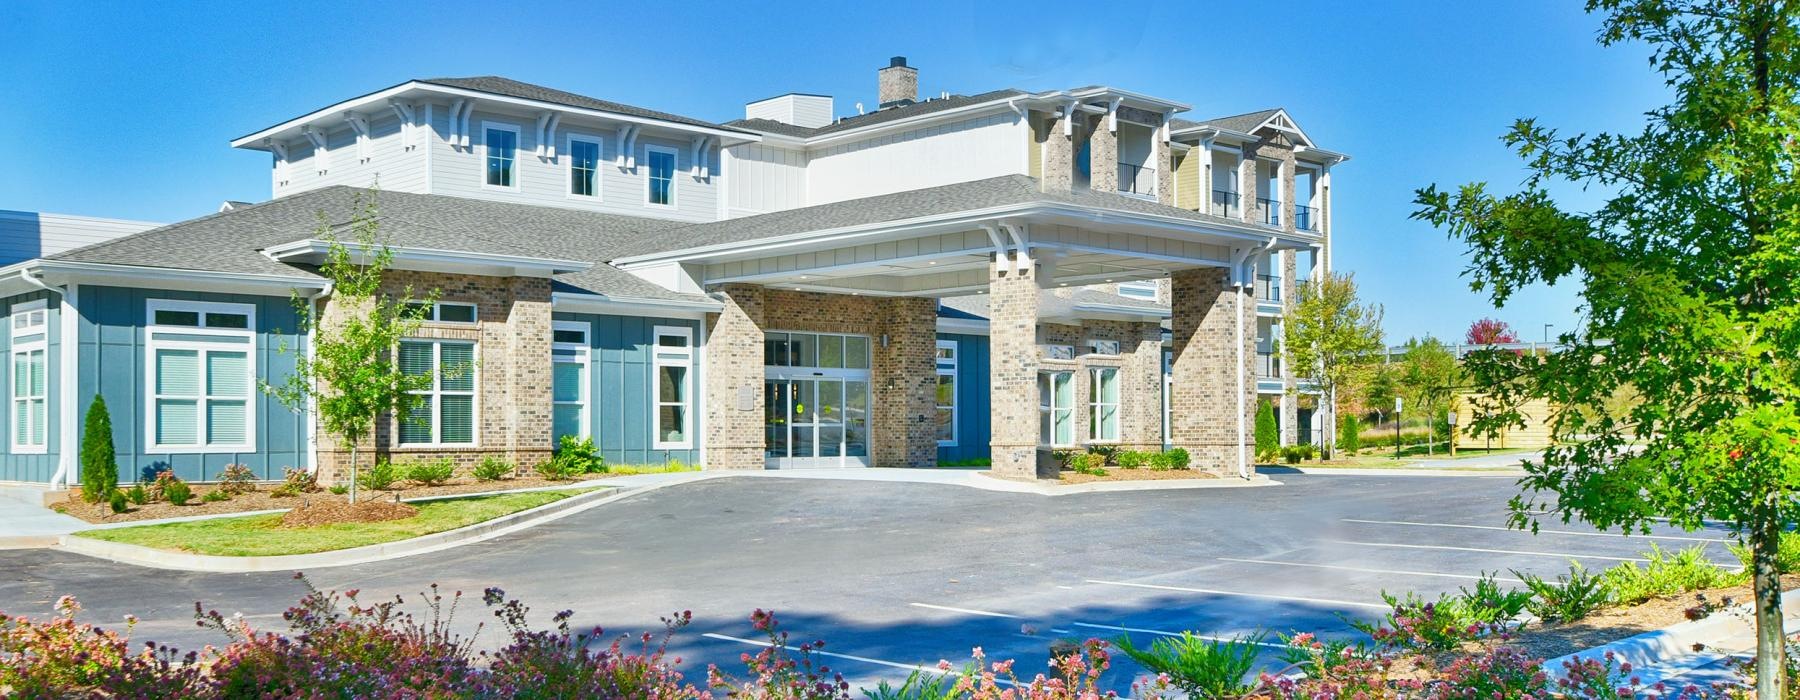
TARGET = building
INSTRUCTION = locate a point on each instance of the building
(25, 235)
(961, 277)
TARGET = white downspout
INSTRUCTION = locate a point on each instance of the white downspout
(1237, 271)
(312, 407)
(67, 466)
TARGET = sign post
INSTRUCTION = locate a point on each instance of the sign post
(1397, 406)
(1452, 419)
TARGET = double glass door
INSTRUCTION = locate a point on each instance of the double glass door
(817, 421)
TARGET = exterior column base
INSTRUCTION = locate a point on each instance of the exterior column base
(1021, 462)
(1220, 460)
(734, 458)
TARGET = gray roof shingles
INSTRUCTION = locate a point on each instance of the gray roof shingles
(512, 88)
(881, 116)
(1237, 122)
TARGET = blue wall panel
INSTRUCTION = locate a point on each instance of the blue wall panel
(113, 365)
(619, 385)
(972, 399)
(31, 467)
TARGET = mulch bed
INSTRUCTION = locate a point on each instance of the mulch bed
(1122, 474)
(1612, 624)
(261, 500)
(324, 512)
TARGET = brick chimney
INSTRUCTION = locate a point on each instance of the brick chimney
(899, 84)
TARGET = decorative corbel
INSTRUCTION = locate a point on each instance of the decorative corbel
(699, 156)
(543, 123)
(359, 124)
(404, 112)
(1112, 114)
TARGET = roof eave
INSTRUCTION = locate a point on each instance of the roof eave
(313, 251)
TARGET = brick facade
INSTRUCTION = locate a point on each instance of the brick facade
(1203, 401)
(733, 379)
(1012, 371)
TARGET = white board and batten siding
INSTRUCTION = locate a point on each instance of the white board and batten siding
(462, 172)
(763, 179)
(386, 160)
(941, 154)
(25, 235)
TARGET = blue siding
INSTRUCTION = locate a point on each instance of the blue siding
(972, 399)
(113, 365)
(31, 467)
(619, 386)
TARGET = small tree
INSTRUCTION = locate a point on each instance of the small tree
(1489, 331)
(99, 462)
(352, 378)
(1429, 376)
(1268, 431)
(1330, 334)
(1350, 434)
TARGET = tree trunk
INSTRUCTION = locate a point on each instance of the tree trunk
(352, 475)
(1771, 642)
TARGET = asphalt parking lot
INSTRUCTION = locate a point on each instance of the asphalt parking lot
(896, 576)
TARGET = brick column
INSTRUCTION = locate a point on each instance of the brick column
(527, 391)
(1203, 400)
(1140, 389)
(1103, 156)
(1012, 370)
(1162, 158)
(1246, 176)
(904, 385)
(734, 380)
(1058, 151)
(1290, 403)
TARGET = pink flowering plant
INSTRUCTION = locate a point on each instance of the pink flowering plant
(1072, 676)
(53, 657)
(1416, 624)
(780, 671)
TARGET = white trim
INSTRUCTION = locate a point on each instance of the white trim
(1095, 404)
(203, 350)
(513, 169)
(1134, 289)
(68, 414)
(437, 393)
(437, 312)
(688, 404)
(1047, 406)
(39, 419)
(582, 353)
(579, 302)
(650, 174)
(568, 170)
(314, 251)
(955, 363)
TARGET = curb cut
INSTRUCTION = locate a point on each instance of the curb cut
(1672, 647)
(468, 534)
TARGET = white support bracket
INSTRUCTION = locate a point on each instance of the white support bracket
(627, 145)
(1001, 258)
(701, 167)
(404, 112)
(543, 120)
(455, 116)
(462, 128)
(1020, 235)
(1067, 112)
(359, 124)
(1112, 114)
(550, 134)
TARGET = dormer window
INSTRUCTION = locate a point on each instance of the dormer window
(501, 143)
(660, 162)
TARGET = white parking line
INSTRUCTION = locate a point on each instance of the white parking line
(1559, 555)
(1368, 571)
(1166, 633)
(1301, 599)
(863, 659)
(1541, 532)
(964, 611)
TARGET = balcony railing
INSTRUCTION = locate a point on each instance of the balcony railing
(1225, 204)
(1305, 218)
(1268, 211)
(1268, 288)
(1137, 179)
(1268, 365)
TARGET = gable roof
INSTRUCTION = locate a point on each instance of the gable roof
(508, 87)
(880, 116)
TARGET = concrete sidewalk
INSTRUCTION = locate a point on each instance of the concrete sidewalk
(25, 522)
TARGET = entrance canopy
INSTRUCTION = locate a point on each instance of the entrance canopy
(940, 241)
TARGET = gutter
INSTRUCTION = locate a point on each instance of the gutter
(579, 299)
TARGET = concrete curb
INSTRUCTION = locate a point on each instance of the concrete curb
(1653, 655)
(489, 529)
(986, 482)
(1401, 471)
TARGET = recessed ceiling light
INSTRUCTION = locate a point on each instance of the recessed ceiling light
(934, 262)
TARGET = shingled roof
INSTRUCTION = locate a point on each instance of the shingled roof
(1237, 122)
(512, 88)
(881, 116)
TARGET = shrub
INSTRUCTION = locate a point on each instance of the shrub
(1416, 624)
(919, 685)
(553, 469)
(781, 670)
(237, 479)
(493, 468)
(99, 463)
(1268, 430)
(1090, 463)
(1666, 574)
(432, 473)
(1787, 555)
(577, 457)
(339, 489)
(136, 495)
(215, 495)
(1176, 458)
(295, 482)
(1106, 453)
(1492, 604)
(1202, 668)
(1335, 670)
(1292, 454)
(175, 490)
(1569, 598)
(1349, 433)
(1315, 658)
(380, 477)
(117, 501)
(1505, 672)
(1133, 459)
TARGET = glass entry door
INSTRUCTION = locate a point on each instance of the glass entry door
(819, 421)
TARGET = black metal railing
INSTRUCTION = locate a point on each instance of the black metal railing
(1137, 179)
(1305, 218)
(1268, 288)
(1225, 204)
(1268, 365)
(1269, 211)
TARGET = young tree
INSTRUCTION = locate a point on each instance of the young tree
(1489, 331)
(1429, 377)
(1690, 279)
(1332, 337)
(1268, 431)
(99, 462)
(352, 378)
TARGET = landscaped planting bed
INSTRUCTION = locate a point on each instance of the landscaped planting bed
(1070, 476)
(260, 499)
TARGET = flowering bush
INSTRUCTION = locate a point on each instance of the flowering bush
(1419, 625)
(1505, 672)
(777, 675)
(1335, 670)
(53, 657)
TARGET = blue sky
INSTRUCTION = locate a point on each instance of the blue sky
(113, 111)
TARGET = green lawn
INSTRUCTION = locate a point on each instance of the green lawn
(262, 535)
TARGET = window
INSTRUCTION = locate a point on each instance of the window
(1138, 290)
(1056, 409)
(674, 362)
(445, 411)
(30, 374)
(660, 162)
(446, 312)
(946, 392)
(1103, 404)
(569, 379)
(821, 350)
(202, 372)
(501, 143)
(584, 167)
(1103, 347)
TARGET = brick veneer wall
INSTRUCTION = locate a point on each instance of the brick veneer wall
(1290, 404)
(1012, 371)
(1057, 154)
(513, 399)
(1203, 401)
(733, 400)
(1139, 363)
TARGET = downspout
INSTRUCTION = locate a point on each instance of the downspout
(1237, 272)
(67, 469)
(312, 407)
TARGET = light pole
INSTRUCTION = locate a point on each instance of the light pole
(1547, 327)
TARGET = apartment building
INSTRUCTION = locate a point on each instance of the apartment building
(990, 275)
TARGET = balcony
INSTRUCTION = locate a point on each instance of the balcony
(1268, 288)
(1268, 211)
(1268, 365)
(1225, 204)
(1306, 218)
(1137, 180)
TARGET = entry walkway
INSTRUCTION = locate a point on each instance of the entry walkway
(24, 521)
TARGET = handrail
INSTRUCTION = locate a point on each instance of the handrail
(1225, 204)
(1271, 211)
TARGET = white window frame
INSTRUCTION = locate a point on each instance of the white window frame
(1141, 289)
(674, 179)
(1047, 405)
(1095, 404)
(569, 140)
(948, 367)
(437, 312)
(581, 357)
(437, 394)
(657, 362)
(203, 348)
(518, 145)
(36, 316)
